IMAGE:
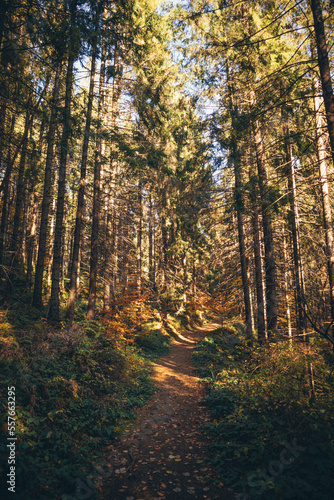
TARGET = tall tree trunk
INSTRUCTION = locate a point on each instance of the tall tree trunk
(325, 198)
(94, 255)
(324, 67)
(164, 264)
(3, 110)
(286, 284)
(110, 189)
(294, 226)
(260, 298)
(37, 300)
(107, 248)
(151, 277)
(51, 244)
(16, 243)
(139, 240)
(123, 247)
(269, 258)
(57, 247)
(10, 164)
(241, 238)
(236, 158)
(5, 197)
(81, 194)
(31, 239)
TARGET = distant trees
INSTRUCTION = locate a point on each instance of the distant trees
(105, 178)
(115, 184)
(273, 136)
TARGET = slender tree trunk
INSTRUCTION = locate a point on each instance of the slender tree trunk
(139, 240)
(324, 67)
(123, 247)
(31, 239)
(16, 243)
(241, 238)
(107, 249)
(81, 194)
(110, 188)
(3, 111)
(5, 197)
(94, 255)
(286, 284)
(260, 298)
(235, 151)
(23, 139)
(164, 264)
(294, 225)
(325, 198)
(269, 258)
(114, 245)
(57, 248)
(38, 286)
(151, 277)
(51, 246)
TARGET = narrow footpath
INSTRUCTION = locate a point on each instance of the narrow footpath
(163, 454)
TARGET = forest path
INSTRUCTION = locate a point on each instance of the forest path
(162, 455)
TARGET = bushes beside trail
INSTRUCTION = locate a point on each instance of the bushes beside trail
(272, 428)
(74, 387)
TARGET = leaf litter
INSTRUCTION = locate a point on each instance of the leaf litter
(162, 455)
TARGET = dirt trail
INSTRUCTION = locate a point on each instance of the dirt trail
(163, 454)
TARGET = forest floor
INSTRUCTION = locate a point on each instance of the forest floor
(162, 455)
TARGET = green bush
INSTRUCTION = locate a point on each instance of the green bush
(73, 388)
(262, 403)
(153, 343)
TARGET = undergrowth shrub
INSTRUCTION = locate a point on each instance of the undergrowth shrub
(153, 343)
(272, 428)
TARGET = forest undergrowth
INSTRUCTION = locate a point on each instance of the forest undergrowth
(76, 386)
(272, 428)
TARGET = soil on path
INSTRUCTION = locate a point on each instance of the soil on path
(163, 454)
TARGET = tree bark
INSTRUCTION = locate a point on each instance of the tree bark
(325, 198)
(5, 197)
(94, 255)
(324, 67)
(31, 240)
(269, 258)
(139, 240)
(16, 243)
(260, 298)
(151, 277)
(236, 158)
(81, 194)
(286, 284)
(110, 190)
(37, 300)
(241, 238)
(294, 226)
(57, 247)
